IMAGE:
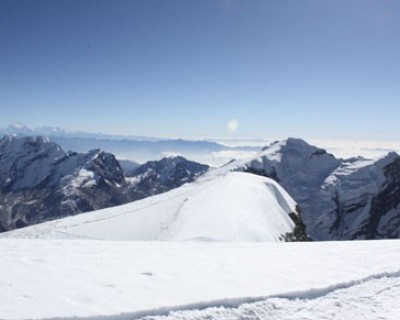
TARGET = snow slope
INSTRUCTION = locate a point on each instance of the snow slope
(45, 279)
(232, 207)
(40, 182)
(339, 199)
(373, 298)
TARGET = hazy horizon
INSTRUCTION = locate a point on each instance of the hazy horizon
(339, 147)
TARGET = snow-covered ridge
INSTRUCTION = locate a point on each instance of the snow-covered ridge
(353, 198)
(232, 207)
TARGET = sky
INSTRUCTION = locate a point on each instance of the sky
(203, 69)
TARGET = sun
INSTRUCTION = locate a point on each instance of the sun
(233, 125)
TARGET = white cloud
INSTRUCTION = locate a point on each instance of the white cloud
(233, 125)
(227, 155)
(347, 148)
(171, 154)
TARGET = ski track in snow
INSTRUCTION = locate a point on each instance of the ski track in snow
(374, 297)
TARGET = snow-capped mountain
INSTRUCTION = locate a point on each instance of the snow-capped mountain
(360, 200)
(154, 177)
(39, 181)
(21, 130)
(339, 199)
(235, 206)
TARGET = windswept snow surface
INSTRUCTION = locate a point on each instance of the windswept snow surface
(232, 207)
(48, 279)
(369, 299)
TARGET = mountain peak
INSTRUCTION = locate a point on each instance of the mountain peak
(303, 146)
(389, 157)
(292, 144)
(25, 145)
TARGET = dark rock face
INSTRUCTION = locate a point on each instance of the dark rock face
(387, 201)
(383, 221)
(340, 199)
(155, 177)
(39, 181)
(299, 232)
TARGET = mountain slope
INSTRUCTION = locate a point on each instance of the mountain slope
(128, 165)
(39, 181)
(361, 200)
(339, 199)
(154, 177)
(233, 207)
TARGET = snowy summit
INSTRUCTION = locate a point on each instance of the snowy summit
(232, 207)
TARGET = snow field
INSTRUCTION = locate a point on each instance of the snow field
(44, 279)
(232, 207)
(369, 300)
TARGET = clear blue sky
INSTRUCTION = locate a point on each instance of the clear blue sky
(186, 68)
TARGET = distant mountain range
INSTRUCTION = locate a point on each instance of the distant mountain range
(136, 148)
(20, 129)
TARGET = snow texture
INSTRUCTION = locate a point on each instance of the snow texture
(368, 299)
(232, 207)
(48, 279)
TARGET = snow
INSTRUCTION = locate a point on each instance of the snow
(44, 279)
(362, 168)
(217, 258)
(348, 167)
(132, 180)
(84, 178)
(374, 298)
(327, 188)
(232, 207)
